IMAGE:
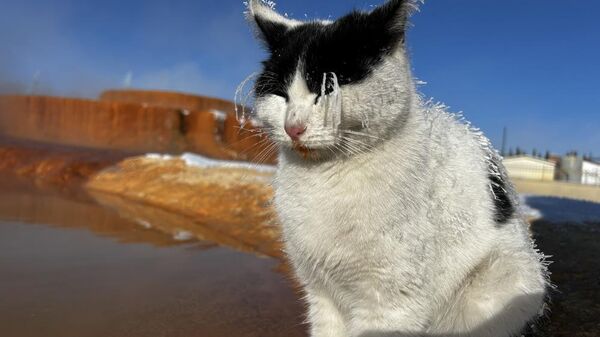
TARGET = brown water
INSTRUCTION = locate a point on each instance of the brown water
(69, 267)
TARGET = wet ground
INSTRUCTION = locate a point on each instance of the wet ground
(574, 250)
(72, 268)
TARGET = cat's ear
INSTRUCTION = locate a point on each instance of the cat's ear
(394, 15)
(271, 25)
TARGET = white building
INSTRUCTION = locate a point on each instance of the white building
(530, 168)
(590, 173)
(575, 169)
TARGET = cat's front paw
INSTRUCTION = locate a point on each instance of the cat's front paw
(324, 317)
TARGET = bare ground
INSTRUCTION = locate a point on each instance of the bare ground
(575, 268)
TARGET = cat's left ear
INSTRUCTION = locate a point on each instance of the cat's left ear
(394, 14)
(271, 25)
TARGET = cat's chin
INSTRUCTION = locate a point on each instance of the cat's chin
(309, 153)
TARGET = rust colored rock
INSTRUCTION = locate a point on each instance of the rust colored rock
(230, 206)
(238, 142)
(248, 142)
(90, 123)
(135, 127)
(204, 133)
(52, 164)
(167, 99)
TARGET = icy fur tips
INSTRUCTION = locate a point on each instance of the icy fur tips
(330, 105)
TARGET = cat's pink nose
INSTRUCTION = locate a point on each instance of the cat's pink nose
(295, 131)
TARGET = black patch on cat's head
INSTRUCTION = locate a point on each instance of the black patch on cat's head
(271, 32)
(503, 206)
(350, 47)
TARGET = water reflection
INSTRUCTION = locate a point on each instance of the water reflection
(73, 268)
(180, 226)
(28, 205)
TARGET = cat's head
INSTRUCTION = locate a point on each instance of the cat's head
(333, 86)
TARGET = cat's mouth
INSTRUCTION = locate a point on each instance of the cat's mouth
(307, 152)
(301, 148)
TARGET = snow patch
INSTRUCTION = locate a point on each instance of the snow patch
(528, 211)
(196, 160)
(183, 236)
(159, 156)
(144, 223)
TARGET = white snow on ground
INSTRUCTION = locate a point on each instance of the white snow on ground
(528, 211)
(200, 161)
(197, 160)
(183, 236)
(159, 156)
(562, 210)
(143, 223)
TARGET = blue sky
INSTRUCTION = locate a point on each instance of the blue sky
(531, 66)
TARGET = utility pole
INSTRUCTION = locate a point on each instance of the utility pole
(503, 149)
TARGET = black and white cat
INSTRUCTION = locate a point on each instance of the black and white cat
(398, 217)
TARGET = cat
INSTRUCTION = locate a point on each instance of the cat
(397, 216)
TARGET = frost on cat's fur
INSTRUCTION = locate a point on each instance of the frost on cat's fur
(398, 217)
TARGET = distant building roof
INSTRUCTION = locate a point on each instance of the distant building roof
(526, 158)
(593, 162)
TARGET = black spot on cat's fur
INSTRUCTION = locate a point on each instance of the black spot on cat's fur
(272, 32)
(350, 48)
(285, 52)
(504, 208)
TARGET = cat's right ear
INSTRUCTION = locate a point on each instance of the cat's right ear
(394, 15)
(271, 26)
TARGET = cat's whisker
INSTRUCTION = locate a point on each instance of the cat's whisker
(355, 150)
(366, 147)
(259, 134)
(357, 133)
(258, 144)
(265, 153)
(238, 93)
